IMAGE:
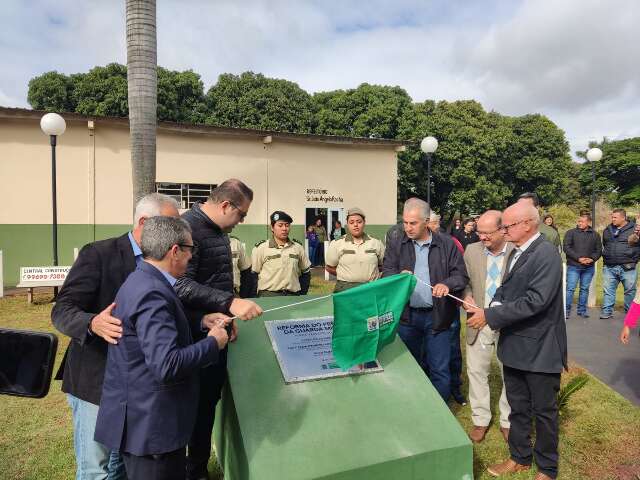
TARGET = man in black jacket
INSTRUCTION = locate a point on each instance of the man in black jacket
(434, 260)
(83, 313)
(528, 311)
(620, 261)
(207, 287)
(583, 249)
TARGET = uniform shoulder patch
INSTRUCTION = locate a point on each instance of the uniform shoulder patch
(233, 236)
(297, 241)
(260, 243)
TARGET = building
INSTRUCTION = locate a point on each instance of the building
(307, 176)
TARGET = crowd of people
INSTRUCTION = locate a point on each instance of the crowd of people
(150, 314)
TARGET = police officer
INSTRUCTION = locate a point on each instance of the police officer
(282, 264)
(355, 258)
(242, 278)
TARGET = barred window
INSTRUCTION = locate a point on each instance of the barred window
(185, 193)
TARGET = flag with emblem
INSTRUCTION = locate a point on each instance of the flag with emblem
(365, 318)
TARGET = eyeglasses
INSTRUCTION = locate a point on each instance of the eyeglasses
(507, 227)
(242, 212)
(192, 248)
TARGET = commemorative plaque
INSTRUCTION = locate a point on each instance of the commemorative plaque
(303, 349)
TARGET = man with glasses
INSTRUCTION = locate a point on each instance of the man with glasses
(528, 311)
(151, 419)
(207, 286)
(485, 262)
(83, 312)
(546, 231)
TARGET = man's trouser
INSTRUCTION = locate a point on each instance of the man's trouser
(479, 356)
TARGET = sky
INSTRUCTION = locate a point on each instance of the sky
(576, 61)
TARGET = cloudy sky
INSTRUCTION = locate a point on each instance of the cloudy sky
(576, 61)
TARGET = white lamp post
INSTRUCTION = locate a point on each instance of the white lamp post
(429, 145)
(593, 155)
(53, 125)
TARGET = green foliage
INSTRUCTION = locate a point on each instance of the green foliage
(617, 173)
(565, 393)
(366, 111)
(102, 91)
(252, 100)
(180, 96)
(484, 160)
(51, 91)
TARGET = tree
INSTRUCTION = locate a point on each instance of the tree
(466, 167)
(51, 91)
(617, 173)
(366, 111)
(540, 158)
(102, 91)
(252, 100)
(180, 96)
(142, 93)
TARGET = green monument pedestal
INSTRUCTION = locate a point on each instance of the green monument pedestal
(391, 425)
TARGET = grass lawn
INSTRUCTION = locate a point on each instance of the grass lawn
(599, 433)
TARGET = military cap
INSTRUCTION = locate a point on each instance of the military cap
(279, 216)
(355, 211)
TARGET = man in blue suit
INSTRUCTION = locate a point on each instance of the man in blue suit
(151, 382)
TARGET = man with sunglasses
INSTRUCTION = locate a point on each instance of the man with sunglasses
(207, 286)
(528, 311)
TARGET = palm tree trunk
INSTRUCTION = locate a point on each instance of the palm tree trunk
(142, 81)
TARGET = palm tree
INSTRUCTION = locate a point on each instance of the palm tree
(142, 60)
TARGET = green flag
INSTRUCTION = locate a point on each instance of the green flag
(365, 318)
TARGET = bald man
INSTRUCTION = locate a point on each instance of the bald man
(528, 311)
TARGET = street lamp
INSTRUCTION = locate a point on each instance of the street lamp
(429, 145)
(53, 125)
(593, 155)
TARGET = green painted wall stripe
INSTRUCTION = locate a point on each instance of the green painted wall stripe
(30, 244)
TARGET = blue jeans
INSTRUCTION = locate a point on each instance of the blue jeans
(583, 274)
(455, 363)
(94, 461)
(431, 349)
(611, 277)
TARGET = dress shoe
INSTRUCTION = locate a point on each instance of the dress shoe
(505, 433)
(477, 434)
(542, 476)
(506, 467)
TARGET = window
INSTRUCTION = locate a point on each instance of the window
(185, 193)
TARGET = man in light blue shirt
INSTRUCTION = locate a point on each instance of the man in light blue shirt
(438, 265)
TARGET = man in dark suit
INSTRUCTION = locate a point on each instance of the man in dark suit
(83, 313)
(528, 310)
(151, 380)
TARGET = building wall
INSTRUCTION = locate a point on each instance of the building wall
(94, 183)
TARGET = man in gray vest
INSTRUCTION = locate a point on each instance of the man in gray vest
(485, 262)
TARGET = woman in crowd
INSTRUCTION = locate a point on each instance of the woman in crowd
(355, 258)
(548, 220)
(321, 233)
(338, 230)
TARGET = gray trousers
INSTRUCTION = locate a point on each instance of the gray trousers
(479, 356)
